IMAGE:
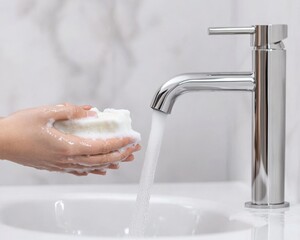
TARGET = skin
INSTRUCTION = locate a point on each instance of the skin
(28, 138)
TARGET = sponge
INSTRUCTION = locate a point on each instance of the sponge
(110, 123)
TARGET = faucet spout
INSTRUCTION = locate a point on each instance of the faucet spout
(167, 94)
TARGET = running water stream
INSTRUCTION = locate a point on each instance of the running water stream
(139, 220)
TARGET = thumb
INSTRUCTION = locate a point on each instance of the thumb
(70, 111)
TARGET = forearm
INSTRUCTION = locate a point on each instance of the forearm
(3, 139)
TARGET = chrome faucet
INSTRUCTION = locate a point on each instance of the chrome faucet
(267, 83)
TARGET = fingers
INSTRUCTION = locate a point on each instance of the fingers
(111, 157)
(114, 166)
(86, 107)
(69, 111)
(82, 166)
(100, 146)
(97, 170)
(129, 158)
(77, 166)
(86, 172)
(85, 146)
(76, 173)
(83, 170)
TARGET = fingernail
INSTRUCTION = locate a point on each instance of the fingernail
(130, 158)
(86, 107)
(115, 165)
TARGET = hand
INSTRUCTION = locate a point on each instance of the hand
(28, 137)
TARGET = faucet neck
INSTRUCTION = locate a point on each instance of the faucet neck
(268, 153)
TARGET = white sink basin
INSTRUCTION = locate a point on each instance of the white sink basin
(109, 215)
(202, 211)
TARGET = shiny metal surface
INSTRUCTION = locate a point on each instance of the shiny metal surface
(265, 206)
(261, 35)
(168, 93)
(231, 30)
(269, 127)
(269, 34)
(267, 82)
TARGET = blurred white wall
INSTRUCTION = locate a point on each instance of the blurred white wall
(117, 53)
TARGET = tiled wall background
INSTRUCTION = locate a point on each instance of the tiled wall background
(116, 53)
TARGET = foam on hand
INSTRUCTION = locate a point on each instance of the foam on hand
(110, 123)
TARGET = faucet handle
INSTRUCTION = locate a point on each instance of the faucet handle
(261, 35)
(231, 30)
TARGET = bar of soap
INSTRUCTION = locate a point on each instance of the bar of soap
(110, 123)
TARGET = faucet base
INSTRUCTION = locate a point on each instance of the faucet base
(266, 206)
